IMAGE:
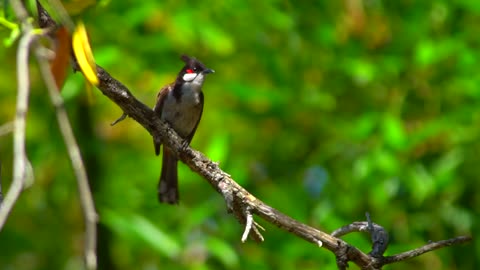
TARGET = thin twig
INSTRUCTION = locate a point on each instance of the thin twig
(20, 158)
(121, 118)
(357, 226)
(19, 137)
(426, 248)
(86, 197)
(248, 224)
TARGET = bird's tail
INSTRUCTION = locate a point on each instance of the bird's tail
(168, 185)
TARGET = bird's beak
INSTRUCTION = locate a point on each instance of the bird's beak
(206, 71)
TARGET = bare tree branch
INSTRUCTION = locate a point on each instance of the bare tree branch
(223, 183)
(426, 248)
(220, 181)
(20, 157)
(240, 202)
(378, 234)
(4, 130)
(20, 160)
(73, 150)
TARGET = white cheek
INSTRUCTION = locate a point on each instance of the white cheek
(189, 76)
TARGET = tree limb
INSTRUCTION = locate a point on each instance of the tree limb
(426, 248)
(221, 181)
(238, 200)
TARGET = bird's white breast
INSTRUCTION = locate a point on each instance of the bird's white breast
(184, 113)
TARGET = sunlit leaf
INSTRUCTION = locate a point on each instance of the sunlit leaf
(83, 54)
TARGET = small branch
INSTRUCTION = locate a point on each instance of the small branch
(73, 150)
(251, 227)
(426, 248)
(20, 158)
(380, 243)
(248, 225)
(121, 118)
(378, 234)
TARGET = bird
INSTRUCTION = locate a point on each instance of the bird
(180, 104)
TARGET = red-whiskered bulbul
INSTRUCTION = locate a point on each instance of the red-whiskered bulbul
(181, 105)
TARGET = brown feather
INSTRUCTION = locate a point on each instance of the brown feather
(168, 184)
(158, 110)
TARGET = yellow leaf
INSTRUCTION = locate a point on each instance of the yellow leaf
(83, 53)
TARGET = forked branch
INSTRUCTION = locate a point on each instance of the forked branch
(239, 201)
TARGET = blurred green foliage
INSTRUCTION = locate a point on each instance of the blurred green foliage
(325, 110)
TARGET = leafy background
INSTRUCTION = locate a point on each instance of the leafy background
(325, 110)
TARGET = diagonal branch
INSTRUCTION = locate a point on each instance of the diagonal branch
(218, 179)
(221, 181)
(238, 200)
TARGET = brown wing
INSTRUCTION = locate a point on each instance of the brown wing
(158, 108)
(161, 98)
(190, 136)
